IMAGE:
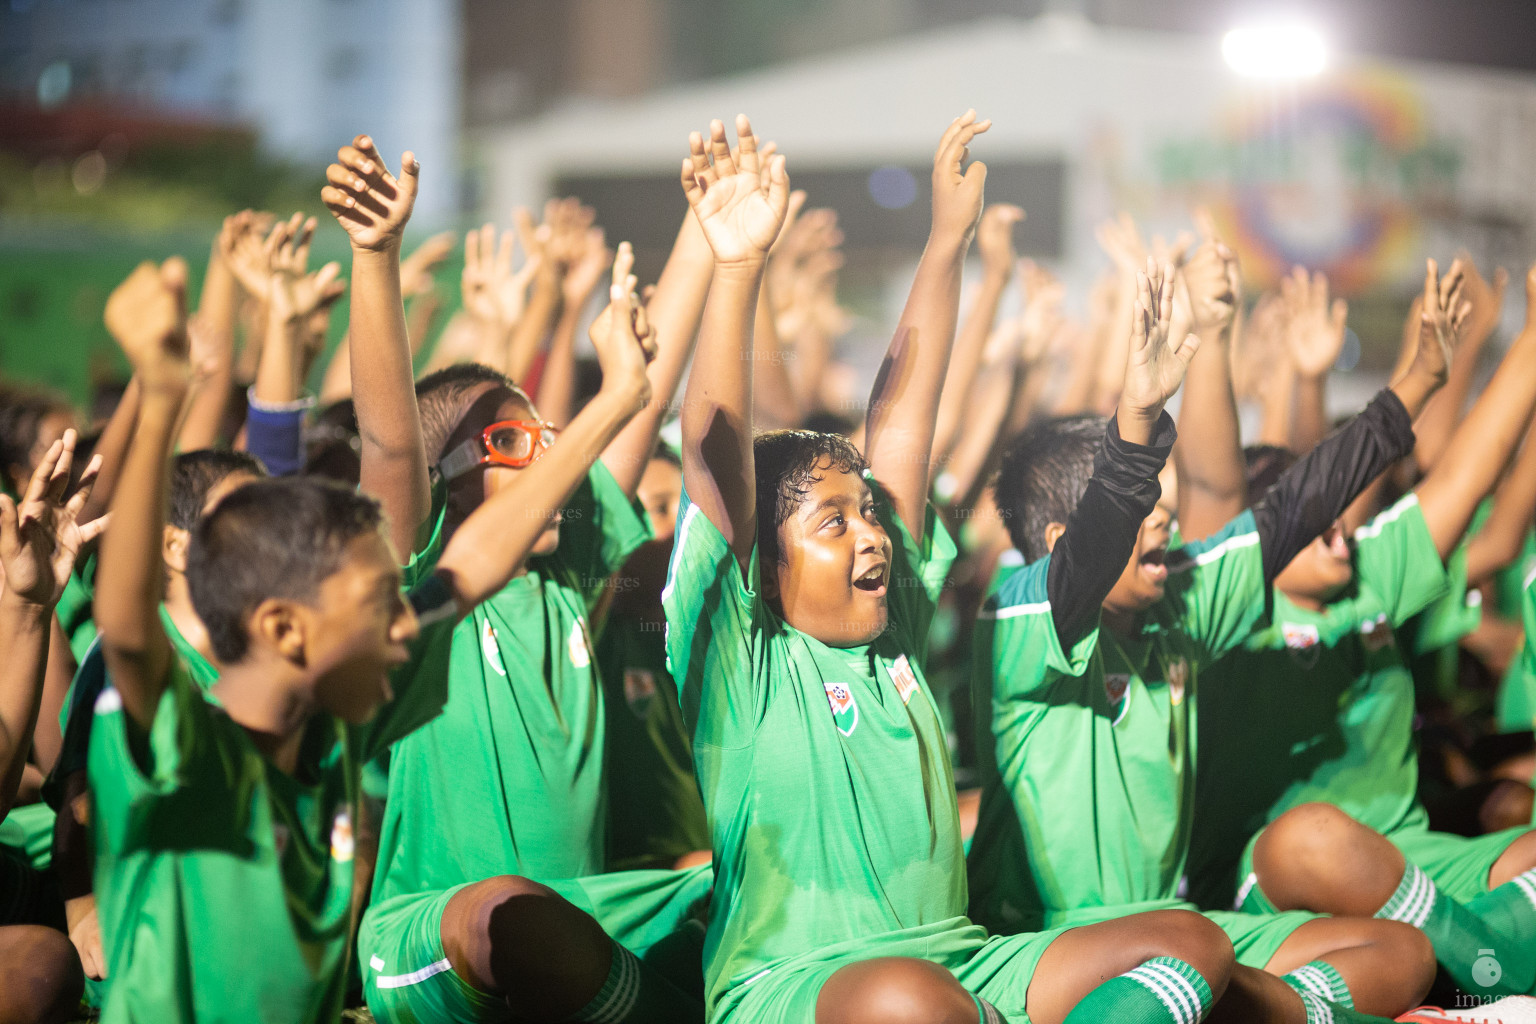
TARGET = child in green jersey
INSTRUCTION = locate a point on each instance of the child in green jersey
(655, 816)
(223, 820)
(489, 896)
(40, 536)
(803, 581)
(1086, 812)
(1336, 773)
(198, 481)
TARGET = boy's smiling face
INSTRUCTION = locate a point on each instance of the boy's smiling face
(492, 403)
(835, 562)
(358, 627)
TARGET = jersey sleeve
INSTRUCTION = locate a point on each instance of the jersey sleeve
(1451, 616)
(1215, 591)
(1396, 559)
(1017, 641)
(1528, 652)
(919, 567)
(421, 684)
(601, 527)
(150, 787)
(715, 626)
(424, 559)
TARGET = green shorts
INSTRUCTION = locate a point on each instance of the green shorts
(406, 974)
(997, 970)
(1458, 865)
(1257, 937)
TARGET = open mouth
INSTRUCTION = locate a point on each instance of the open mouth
(872, 582)
(1337, 543)
(1154, 564)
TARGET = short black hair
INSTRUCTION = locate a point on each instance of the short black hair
(443, 399)
(22, 411)
(1265, 463)
(788, 463)
(195, 473)
(273, 538)
(664, 452)
(332, 448)
(1043, 476)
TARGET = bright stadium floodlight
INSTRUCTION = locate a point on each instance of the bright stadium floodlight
(1274, 51)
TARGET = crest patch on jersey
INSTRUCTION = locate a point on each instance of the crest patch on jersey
(1300, 636)
(1116, 686)
(1376, 634)
(343, 844)
(845, 710)
(1177, 674)
(491, 649)
(577, 645)
(904, 678)
(639, 688)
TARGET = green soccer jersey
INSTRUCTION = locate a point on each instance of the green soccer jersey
(655, 814)
(824, 771)
(1087, 792)
(1319, 706)
(224, 885)
(1527, 660)
(509, 779)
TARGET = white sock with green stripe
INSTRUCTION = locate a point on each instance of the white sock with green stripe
(1321, 979)
(1462, 937)
(988, 1013)
(1164, 990)
(1321, 1011)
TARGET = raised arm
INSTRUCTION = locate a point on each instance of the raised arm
(1498, 543)
(1485, 440)
(1314, 492)
(493, 542)
(994, 240)
(740, 218)
(1090, 550)
(148, 317)
(216, 309)
(373, 206)
(904, 402)
(1314, 338)
(1213, 481)
(674, 311)
(557, 384)
(1433, 429)
(39, 539)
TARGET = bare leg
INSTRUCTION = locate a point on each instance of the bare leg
(894, 990)
(1387, 965)
(1518, 858)
(1315, 857)
(40, 976)
(1084, 958)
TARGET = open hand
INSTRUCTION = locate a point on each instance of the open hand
(40, 537)
(1315, 326)
(370, 204)
(494, 293)
(416, 270)
(1442, 320)
(741, 217)
(994, 239)
(1156, 363)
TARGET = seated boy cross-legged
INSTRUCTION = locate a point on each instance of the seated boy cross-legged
(489, 901)
(223, 819)
(1087, 808)
(803, 579)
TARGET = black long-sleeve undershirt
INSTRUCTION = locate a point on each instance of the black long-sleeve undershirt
(1314, 492)
(1101, 532)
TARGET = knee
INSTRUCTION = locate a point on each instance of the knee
(894, 990)
(1303, 838)
(1193, 938)
(1404, 952)
(42, 981)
